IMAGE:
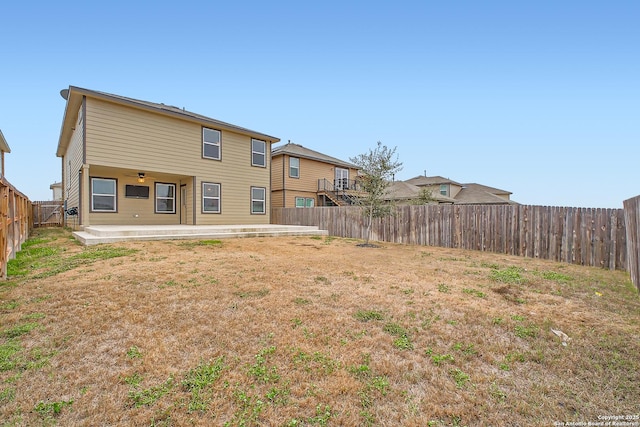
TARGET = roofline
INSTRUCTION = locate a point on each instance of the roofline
(436, 182)
(4, 146)
(488, 189)
(335, 161)
(317, 159)
(497, 202)
(75, 94)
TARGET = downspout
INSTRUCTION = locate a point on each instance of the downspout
(63, 196)
(84, 130)
(63, 192)
(284, 190)
(85, 169)
(269, 167)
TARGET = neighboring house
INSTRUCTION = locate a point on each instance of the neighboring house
(438, 185)
(56, 187)
(402, 192)
(4, 148)
(301, 177)
(477, 194)
(445, 190)
(127, 161)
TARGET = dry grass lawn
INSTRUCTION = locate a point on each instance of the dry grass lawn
(310, 332)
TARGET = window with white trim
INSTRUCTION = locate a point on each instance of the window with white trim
(258, 200)
(294, 167)
(103, 194)
(211, 139)
(258, 153)
(210, 197)
(165, 198)
(305, 202)
(444, 189)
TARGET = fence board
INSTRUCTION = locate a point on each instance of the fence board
(583, 236)
(16, 221)
(47, 213)
(632, 225)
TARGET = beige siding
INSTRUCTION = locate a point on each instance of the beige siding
(236, 180)
(292, 194)
(72, 164)
(277, 199)
(135, 140)
(310, 172)
(125, 137)
(277, 178)
(131, 210)
(454, 190)
(306, 185)
(435, 190)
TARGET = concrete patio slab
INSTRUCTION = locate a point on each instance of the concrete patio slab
(96, 234)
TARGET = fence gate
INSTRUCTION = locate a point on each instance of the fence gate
(47, 214)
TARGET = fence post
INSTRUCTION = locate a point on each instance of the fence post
(15, 223)
(632, 225)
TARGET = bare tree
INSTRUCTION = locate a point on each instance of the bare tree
(377, 168)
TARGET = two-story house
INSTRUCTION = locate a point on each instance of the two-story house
(301, 177)
(56, 189)
(445, 190)
(438, 185)
(132, 162)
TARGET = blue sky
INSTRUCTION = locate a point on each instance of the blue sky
(540, 98)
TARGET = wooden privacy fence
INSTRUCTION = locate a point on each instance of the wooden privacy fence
(585, 236)
(47, 213)
(15, 222)
(632, 221)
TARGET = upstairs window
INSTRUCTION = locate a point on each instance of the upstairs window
(294, 167)
(103, 195)
(258, 153)
(444, 189)
(211, 143)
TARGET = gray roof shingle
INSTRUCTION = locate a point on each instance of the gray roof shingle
(298, 150)
(431, 180)
(476, 194)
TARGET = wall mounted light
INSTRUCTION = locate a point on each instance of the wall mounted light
(141, 177)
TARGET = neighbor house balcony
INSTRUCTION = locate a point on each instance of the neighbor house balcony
(340, 192)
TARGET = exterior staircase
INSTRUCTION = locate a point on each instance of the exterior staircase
(331, 195)
(344, 194)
